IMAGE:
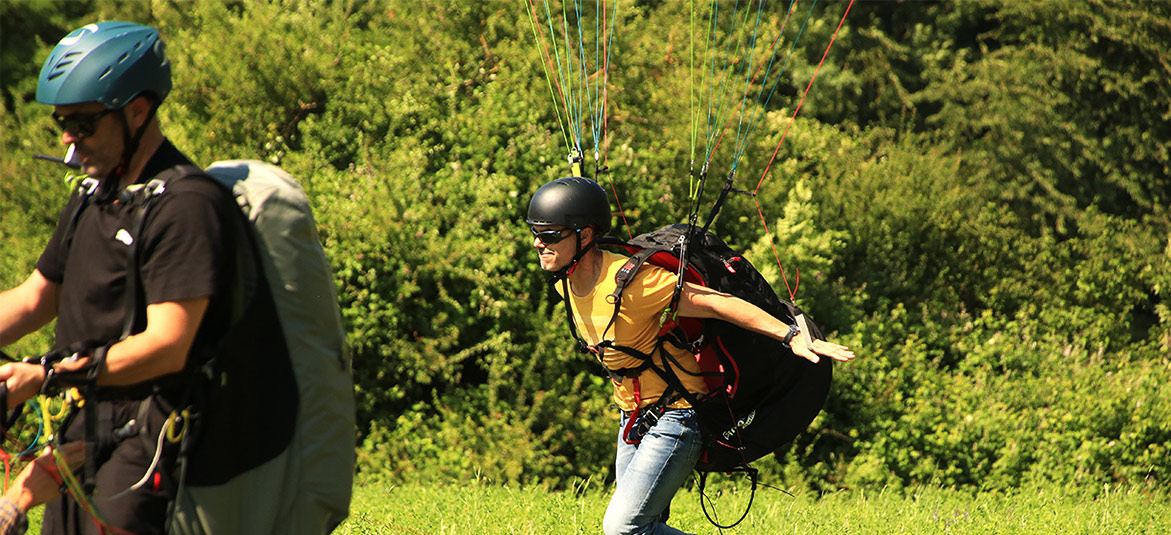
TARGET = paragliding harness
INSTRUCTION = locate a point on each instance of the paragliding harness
(220, 373)
(203, 385)
(85, 378)
(760, 395)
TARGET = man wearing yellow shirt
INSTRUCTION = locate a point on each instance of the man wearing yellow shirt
(658, 443)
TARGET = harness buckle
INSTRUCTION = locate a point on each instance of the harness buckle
(155, 187)
(88, 185)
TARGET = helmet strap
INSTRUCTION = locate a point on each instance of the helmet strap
(568, 270)
(130, 144)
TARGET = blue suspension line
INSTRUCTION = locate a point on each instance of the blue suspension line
(715, 123)
(583, 96)
(747, 81)
(574, 99)
(565, 86)
(742, 147)
(589, 95)
(596, 104)
(713, 15)
(581, 99)
(714, 115)
(599, 111)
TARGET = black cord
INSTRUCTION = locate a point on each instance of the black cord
(752, 474)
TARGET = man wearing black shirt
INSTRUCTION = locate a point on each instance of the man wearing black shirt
(105, 81)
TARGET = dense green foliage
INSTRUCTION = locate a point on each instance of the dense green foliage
(975, 194)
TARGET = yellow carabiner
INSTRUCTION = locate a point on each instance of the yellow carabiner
(72, 395)
(182, 417)
(70, 398)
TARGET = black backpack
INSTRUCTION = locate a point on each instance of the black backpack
(761, 395)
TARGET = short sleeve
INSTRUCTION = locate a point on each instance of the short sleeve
(51, 263)
(187, 235)
(650, 293)
(12, 519)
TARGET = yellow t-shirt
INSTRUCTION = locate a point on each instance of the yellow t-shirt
(637, 327)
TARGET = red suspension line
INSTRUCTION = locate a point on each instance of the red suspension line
(803, 95)
(605, 91)
(771, 50)
(793, 289)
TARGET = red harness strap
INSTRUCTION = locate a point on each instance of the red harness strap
(633, 415)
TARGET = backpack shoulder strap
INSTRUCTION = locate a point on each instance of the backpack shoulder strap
(622, 279)
(148, 193)
(85, 193)
(626, 273)
(581, 343)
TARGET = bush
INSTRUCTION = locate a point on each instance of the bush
(974, 196)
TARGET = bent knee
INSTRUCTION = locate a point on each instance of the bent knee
(612, 526)
(620, 523)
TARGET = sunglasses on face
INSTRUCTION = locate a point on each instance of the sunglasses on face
(80, 124)
(549, 237)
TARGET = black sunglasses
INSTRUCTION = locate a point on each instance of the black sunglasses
(549, 237)
(80, 124)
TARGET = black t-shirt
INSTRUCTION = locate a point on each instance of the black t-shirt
(186, 249)
(194, 244)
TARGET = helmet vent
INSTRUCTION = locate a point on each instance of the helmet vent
(60, 68)
(62, 64)
(106, 62)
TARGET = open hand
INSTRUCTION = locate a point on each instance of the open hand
(812, 350)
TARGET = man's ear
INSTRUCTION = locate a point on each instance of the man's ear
(587, 236)
(136, 111)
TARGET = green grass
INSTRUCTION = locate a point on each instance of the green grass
(478, 508)
(484, 509)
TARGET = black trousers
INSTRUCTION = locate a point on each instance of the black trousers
(129, 433)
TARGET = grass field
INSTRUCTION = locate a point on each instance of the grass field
(484, 509)
(488, 509)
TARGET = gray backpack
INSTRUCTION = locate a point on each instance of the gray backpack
(306, 487)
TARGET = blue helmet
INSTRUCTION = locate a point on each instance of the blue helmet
(108, 62)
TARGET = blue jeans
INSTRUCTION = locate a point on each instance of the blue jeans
(649, 473)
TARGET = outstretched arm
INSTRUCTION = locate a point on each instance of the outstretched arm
(700, 302)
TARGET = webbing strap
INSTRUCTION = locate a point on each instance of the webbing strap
(85, 193)
(641, 420)
(91, 420)
(633, 415)
(670, 332)
(582, 345)
(149, 192)
(9, 418)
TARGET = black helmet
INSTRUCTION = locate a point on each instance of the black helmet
(573, 202)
